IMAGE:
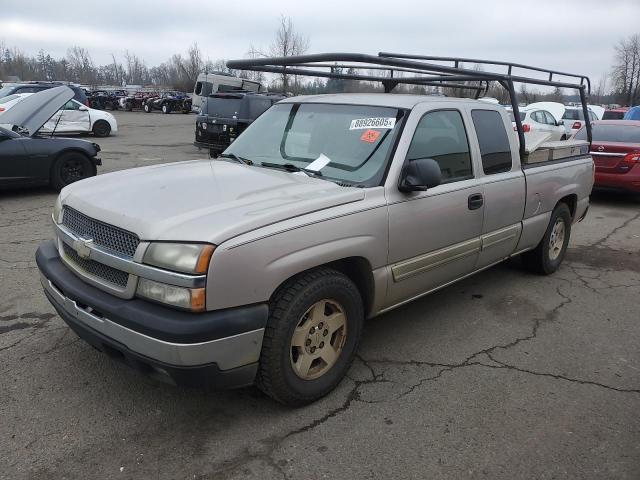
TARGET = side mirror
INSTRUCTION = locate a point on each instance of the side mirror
(560, 123)
(420, 174)
(83, 108)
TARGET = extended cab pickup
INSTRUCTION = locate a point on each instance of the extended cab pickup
(262, 265)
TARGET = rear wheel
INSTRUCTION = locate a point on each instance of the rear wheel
(101, 128)
(128, 106)
(70, 167)
(313, 331)
(166, 108)
(548, 255)
(147, 108)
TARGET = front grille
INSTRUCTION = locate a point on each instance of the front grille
(104, 235)
(96, 269)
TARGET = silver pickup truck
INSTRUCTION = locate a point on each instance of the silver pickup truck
(262, 265)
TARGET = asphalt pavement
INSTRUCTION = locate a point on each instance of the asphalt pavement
(505, 375)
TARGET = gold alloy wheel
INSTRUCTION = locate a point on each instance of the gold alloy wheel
(556, 239)
(318, 339)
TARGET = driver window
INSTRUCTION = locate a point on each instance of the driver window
(71, 105)
(550, 119)
(441, 136)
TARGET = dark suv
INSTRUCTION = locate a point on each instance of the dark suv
(33, 87)
(224, 116)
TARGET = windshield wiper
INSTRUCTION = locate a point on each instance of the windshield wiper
(290, 167)
(237, 158)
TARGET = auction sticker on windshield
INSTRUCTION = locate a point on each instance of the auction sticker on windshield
(376, 122)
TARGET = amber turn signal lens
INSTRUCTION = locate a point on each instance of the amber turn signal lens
(198, 299)
(205, 257)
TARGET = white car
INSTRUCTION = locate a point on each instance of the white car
(574, 119)
(10, 100)
(75, 117)
(541, 123)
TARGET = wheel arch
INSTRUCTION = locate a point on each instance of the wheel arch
(570, 201)
(54, 158)
(357, 269)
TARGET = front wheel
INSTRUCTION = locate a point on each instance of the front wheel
(101, 128)
(312, 334)
(70, 167)
(166, 108)
(147, 108)
(548, 255)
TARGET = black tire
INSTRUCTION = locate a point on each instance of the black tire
(101, 128)
(276, 375)
(543, 259)
(128, 106)
(70, 167)
(147, 108)
(166, 108)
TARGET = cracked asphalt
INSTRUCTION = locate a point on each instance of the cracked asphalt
(504, 375)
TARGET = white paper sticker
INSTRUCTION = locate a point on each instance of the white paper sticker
(375, 122)
(319, 163)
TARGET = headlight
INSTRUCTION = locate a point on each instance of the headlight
(57, 210)
(192, 299)
(204, 125)
(180, 257)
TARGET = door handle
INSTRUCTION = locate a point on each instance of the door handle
(475, 201)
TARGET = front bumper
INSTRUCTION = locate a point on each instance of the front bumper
(219, 348)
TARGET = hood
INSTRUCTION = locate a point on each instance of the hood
(554, 108)
(202, 200)
(34, 111)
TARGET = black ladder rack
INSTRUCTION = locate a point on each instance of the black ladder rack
(426, 73)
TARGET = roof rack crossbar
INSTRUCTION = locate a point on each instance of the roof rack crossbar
(478, 61)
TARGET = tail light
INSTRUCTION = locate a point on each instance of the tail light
(1, 109)
(576, 125)
(632, 158)
(525, 128)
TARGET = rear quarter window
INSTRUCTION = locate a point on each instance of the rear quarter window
(493, 141)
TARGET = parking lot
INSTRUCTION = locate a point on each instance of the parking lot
(503, 375)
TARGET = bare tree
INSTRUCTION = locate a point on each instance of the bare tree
(81, 64)
(288, 42)
(626, 69)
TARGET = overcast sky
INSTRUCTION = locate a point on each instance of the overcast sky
(570, 35)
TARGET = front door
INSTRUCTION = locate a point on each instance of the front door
(73, 117)
(434, 236)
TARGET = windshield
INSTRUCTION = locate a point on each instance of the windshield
(222, 107)
(611, 133)
(353, 142)
(522, 116)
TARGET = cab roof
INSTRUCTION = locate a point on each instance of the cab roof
(393, 100)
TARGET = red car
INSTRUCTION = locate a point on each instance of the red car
(615, 113)
(616, 153)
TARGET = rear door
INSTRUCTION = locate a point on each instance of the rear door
(503, 183)
(434, 236)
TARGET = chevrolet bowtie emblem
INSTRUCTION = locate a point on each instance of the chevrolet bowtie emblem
(83, 247)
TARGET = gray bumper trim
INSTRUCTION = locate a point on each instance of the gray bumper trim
(226, 353)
